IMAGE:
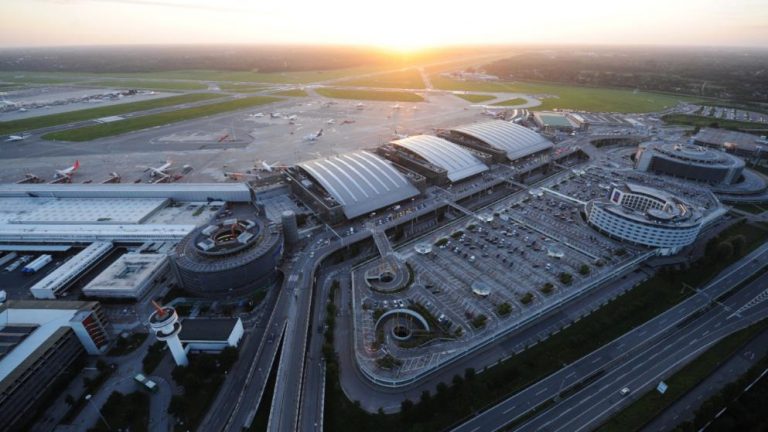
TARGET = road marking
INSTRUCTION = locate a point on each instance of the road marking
(541, 391)
(509, 409)
(595, 360)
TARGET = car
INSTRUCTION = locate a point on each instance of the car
(625, 391)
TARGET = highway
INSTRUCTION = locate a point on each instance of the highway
(634, 346)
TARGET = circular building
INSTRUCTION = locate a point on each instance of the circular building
(647, 217)
(689, 162)
(228, 259)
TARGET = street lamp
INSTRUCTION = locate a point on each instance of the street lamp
(98, 410)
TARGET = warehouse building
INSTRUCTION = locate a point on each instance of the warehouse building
(501, 139)
(351, 184)
(439, 160)
(551, 122)
(689, 162)
(42, 340)
(130, 277)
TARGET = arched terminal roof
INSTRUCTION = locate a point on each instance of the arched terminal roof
(456, 160)
(517, 141)
(360, 181)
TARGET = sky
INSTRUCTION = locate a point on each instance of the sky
(403, 25)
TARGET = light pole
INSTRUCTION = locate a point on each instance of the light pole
(88, 398)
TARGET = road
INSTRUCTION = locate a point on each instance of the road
(621, 351)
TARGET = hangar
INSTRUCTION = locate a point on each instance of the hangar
(360, 182)
(430, 153)
(499, 138)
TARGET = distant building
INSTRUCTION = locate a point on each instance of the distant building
(211, 334)
(739, 143)
(41, 340)
(551, 122)
(131, 276)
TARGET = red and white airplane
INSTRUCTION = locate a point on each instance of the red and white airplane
(69, 171)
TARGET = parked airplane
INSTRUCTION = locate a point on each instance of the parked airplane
(161, 171)
(399, 135)
(314, 136)
(68, 171)
(266, 166)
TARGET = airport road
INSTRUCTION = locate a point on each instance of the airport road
(643, 371)
(624, 349)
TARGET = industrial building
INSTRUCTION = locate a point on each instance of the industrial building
(648, 217)
(584, 120)
(439, 160)
(501, 139)
(689, 162)
(551, 122)
(41, 340)
(130, 277)
(229, 258)
(58, 280)
(739, 143)
(354, 184)
(210, 334)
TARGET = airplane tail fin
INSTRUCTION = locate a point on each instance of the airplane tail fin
(76, 165)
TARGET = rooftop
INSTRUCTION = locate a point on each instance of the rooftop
(207, 329)
(517, 141)
(459, 162)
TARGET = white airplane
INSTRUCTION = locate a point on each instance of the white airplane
(160, 171)
(68, 171)
(360, 106)
(396, 107)
(257, 115)
(14, 138)
(293, 117)
(266, 166)
(314, 136)
(399, 135)
(330, 122)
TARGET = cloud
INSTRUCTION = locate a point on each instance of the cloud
(198, 5)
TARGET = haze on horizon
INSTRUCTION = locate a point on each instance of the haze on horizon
(395, 24)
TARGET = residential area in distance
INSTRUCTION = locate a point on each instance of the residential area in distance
(268, 233)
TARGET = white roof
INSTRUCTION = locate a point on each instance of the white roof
(88, 210)
(360, 181)
(235, 192)
(517, 141)
(56, 279)
(90, 233)
(458, 161)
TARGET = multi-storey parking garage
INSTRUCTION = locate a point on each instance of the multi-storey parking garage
(229, 258)
(689, 162)
(647, 217)
(504, 140)
(435, 157)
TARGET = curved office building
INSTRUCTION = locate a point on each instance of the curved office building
(689, 162)
(230, 258)
(647, 217)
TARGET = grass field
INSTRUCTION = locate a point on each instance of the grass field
(395, 96)
(511, 102)
(94, 113)
(701, 121)
(652, 403)
(88, 133)
(242, 87)
(572, 97)
(475, 98)
(406, 79)
(151, 85)
(292, 93)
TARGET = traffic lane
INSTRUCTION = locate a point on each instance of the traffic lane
(602, 357)
(660, 359)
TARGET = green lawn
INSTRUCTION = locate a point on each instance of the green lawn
(511, 102)
(88, 133)
(571, 97)
(701, 121)
(652, 403)
(146, 84)
(242, 87)
(292, 93)
(475, 98)
(395, 96)
(94, 113)
(407, 79)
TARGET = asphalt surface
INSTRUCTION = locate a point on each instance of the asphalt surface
(636, 359)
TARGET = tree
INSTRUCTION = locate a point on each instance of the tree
(584, 270)
(406, 405)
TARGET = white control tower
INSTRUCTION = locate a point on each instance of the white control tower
(165, 323)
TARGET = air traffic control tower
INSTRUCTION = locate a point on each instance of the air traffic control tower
(165, 323)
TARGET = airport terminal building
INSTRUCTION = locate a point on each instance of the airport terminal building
(504, 141)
